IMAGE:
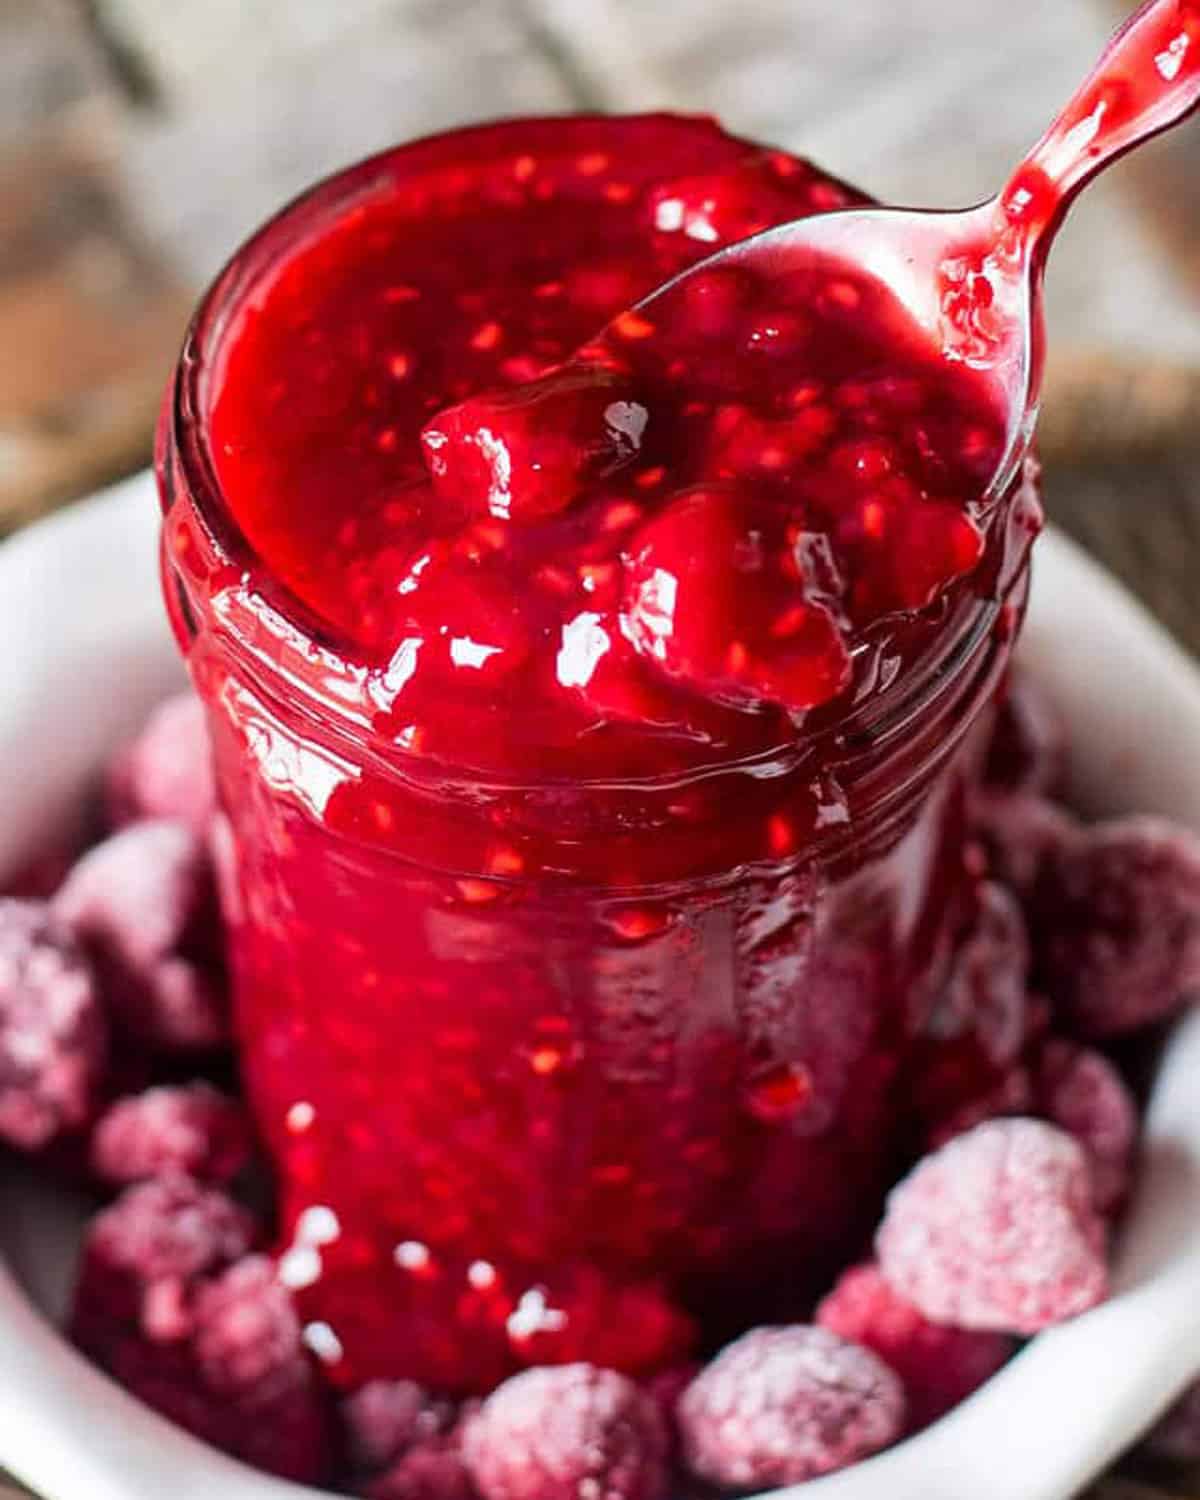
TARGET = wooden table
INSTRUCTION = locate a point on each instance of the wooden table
(140, 140)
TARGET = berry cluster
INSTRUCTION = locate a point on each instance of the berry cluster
(1021, 1159)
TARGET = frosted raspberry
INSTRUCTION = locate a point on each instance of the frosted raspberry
(782, 1405)
(166, 772)
(143, 904)
(985, 996)
(256, 1380)
(231, 1368)
(190, 1128)
(385, 1418)
(997, 1230)
(143, 1253)
(1117, 925)
(1082, 1093)
(939, 1366)
(1176, 1437)
(432, 1469)
(1028, 751)
(1019, 832)
(53, 1033)
(558, 1432)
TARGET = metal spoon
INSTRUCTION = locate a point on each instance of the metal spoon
(973, 279)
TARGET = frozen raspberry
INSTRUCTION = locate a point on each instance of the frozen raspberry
(1028, 751)
(259, 1397)
(53, 1034)
(230, 1367)
(985, 996)
(191, 1128)
(782, 1405)
(1176, 1437)
(713, 598)
(524, 453)
(385, 1418)
(144, 906)
(1082, 1093)
(143, 1254)
(559, 1432)
(432, 1469)
(1020, 832)
(166, 772)
(1116, 923)
(939, 1366)
(997, 1230)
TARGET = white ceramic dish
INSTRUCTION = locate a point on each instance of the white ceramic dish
(86, 650)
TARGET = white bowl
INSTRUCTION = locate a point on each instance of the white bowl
(87, 651)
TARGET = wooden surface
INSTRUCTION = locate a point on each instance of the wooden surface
(141, 139)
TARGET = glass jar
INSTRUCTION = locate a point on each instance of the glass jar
(554, 1068)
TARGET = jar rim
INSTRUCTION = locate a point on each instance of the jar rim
(879, 718)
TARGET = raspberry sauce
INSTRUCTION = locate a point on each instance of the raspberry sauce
(592, 693)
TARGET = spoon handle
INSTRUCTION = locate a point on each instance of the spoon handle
(1147, 80)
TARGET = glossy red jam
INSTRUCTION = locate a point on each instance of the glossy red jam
(592, 689)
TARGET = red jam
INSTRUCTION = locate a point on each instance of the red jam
(591, 686)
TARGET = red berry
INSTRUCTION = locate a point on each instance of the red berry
(560, 1432)
(53, 1032)
(189, 1128)
(143, 1254)
(712, 598)
(385, 1418)
(1116, 925)
(985, 996)
(939, 1366)
(997, 1230)
(143, 904)
(1019, 832)
(528, 452)
(1082, 1093)
(431, 1470)
(1028, 751)
(782, 1405)
(166, 772)
(236, 1374)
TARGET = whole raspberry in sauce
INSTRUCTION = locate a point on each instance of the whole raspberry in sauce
(939, 1366)
(53, 1028)
(143, 905)
(559, 1432)
(1116, 916)
(998, 1230)
(782, 1405)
